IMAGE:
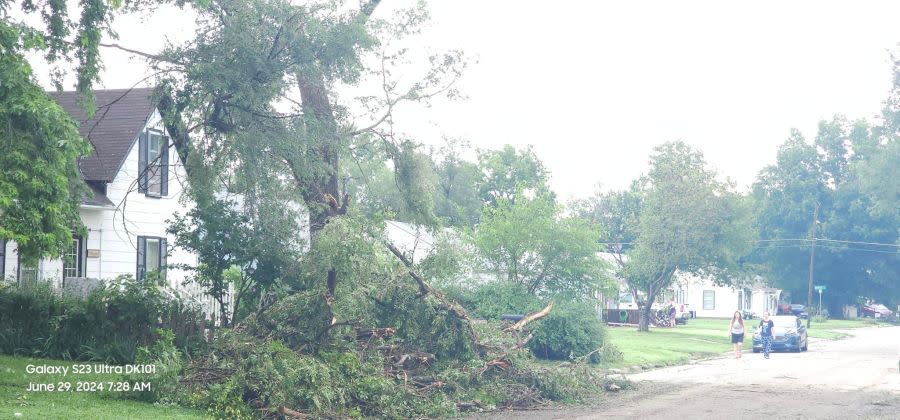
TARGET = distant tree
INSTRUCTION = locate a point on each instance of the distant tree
(527, 243)
(458, 180)
(850, 172)
(510, 173)
(678, 218)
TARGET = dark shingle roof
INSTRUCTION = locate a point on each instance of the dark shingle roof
(96, 197)
(121, 114)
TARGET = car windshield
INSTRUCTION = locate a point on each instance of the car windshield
(785, 321)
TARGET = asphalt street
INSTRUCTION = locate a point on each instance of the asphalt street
(856, 377)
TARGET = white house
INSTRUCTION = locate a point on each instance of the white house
(707, 299)
(703, 297)
(136, 182)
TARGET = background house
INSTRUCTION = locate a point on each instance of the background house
(702, 296)
(709, 300)
(136, 183)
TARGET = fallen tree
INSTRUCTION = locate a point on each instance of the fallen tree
(398, 349)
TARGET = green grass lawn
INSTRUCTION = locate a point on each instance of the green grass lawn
(827, 329)
(699, 338)
(14, 398)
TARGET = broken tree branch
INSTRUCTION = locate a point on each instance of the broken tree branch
(531, 317)
(446, 304)
(287, 412)
(500, 361)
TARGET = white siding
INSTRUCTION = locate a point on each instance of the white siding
(137, 214)
(114, 231)
(725, 297)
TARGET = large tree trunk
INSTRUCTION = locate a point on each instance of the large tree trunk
(324, 199)
(646, 310)
(644, 323)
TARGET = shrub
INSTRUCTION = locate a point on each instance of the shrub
(610, 353)
(492, 300)
(819, 319)
(169, 364)
(108, 325)
(571, 330)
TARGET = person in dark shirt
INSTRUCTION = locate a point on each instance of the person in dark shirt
(765, 333)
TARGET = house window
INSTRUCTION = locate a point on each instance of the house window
(27, 275)
(2, 260)
(153, 163)
(73, 260)
(151, 256)
(709, 300)
(679, 296)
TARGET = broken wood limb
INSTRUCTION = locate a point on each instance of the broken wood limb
(287, 412)
(531, 317)
(335, 324)
(579, 360)
(445, 304)
(368, 333)
(424, 287)
(500, 361)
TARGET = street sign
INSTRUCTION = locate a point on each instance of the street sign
(820, 288)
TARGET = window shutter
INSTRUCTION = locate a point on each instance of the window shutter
(2, 259)
(142, 162)
(141, 257)
(82, 270)
(163, 250)
(164, 167)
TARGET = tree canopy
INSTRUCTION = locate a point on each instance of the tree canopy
(677, 218)
(40, 189)
(845, 173)
(527, 243)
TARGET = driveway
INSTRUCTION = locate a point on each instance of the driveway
(856, 377)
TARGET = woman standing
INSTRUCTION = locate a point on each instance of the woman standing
(672, 313)
(765, 333)
(737, 333)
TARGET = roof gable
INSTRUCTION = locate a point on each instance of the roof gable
(121, 115)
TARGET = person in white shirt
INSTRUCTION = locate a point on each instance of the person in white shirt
(736, 328)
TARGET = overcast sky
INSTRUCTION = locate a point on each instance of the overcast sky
(594, 86)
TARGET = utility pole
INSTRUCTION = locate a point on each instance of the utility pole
(812, 257)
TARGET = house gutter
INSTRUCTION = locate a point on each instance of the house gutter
(93, 207)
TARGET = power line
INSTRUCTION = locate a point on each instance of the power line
(840, 248)
(787, 240)
(860, 243)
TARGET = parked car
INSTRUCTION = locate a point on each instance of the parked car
(799, 310)
(876, 310)
(789, 334)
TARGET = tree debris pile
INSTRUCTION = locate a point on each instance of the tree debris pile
(382, 343)
(375, 375)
